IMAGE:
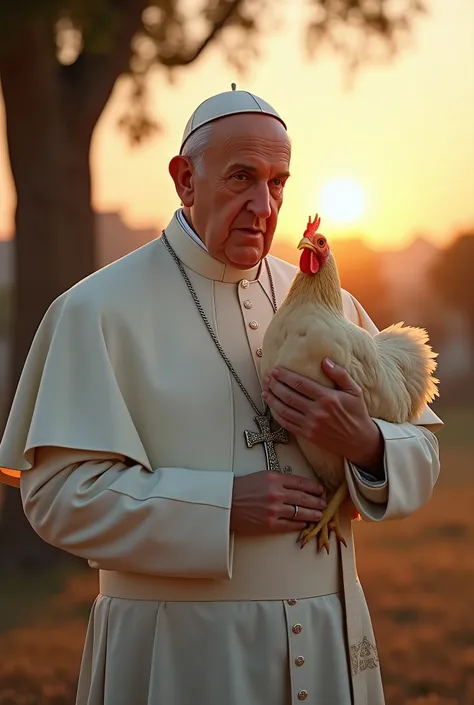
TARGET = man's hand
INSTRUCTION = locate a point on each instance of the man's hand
(335, 419)
(264, 503)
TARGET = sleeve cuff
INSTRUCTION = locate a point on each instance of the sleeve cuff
(375, 491)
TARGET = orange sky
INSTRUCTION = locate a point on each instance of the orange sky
(404, 133)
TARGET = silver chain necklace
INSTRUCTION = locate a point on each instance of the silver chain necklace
(263, 419)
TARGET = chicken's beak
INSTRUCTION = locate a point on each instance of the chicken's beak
(306, 244)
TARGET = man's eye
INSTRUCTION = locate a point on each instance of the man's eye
(278, 182)
(240, 177)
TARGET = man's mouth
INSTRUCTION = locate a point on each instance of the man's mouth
(251, 231)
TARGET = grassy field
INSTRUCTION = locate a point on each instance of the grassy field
(418, 575)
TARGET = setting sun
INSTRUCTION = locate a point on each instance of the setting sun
(342, 200)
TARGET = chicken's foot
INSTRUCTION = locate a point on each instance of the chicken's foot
(328, 522)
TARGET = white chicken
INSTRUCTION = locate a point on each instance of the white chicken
(394, 368)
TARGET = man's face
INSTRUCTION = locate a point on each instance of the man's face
(233, 204)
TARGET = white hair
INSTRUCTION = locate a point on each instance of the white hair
(195, 146)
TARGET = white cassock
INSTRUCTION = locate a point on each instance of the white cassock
(130, 430)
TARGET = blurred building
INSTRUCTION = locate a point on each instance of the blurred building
(415, 301)
(114, 240)
(406, 274)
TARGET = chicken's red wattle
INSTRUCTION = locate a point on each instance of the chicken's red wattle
(309, 263)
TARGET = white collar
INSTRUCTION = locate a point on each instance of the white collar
(188, 229)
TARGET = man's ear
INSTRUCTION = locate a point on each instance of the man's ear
(181, 172)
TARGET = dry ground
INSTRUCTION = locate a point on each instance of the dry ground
(418, 575)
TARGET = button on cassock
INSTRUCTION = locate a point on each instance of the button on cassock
(253, 325)
(292, 602)
(259, 352)
(244, 284)
(299, 660)
(248, 304)
(297, 629)
(302, 695)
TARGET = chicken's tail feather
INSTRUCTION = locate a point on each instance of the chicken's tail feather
(408, 349)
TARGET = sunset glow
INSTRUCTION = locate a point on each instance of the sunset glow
(342, 201)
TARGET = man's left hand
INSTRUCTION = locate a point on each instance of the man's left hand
(335, 419)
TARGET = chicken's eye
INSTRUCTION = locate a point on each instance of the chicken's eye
(321, 242)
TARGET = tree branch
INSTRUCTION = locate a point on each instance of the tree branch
(184, 60)
(88, 83)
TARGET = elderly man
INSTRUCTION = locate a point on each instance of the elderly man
(128, 429)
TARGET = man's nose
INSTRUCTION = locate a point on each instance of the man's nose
(259, 204)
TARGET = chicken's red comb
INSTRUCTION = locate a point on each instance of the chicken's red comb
(312, 226)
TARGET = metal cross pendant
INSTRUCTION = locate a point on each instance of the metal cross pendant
(268, 438)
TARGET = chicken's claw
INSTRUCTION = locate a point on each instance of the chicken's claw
(328, 522)
(303, 537)
(323, 539)
(334, 525)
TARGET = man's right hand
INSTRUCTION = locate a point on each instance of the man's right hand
(264, 503)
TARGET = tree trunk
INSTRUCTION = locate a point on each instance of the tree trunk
(55, 239)
(54, 234)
